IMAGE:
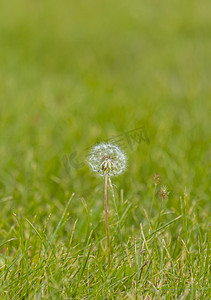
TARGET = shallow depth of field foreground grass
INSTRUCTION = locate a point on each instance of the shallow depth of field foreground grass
(73, 73)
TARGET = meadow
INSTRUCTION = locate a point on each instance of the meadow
(72, 74)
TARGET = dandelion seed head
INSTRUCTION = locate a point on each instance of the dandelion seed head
(107, 158)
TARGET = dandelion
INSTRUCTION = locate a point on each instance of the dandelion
(107, 160)
(163, 193)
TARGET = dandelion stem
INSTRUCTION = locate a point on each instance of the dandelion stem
(115, 207)
(106, 219)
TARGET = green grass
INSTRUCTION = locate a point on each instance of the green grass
(76, 72)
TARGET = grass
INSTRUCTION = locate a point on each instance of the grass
(73, 73)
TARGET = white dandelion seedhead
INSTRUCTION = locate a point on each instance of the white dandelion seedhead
(107, 158)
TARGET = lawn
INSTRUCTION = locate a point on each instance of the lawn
(132, 73)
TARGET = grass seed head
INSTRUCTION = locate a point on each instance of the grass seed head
(156, 179)
(163, 193)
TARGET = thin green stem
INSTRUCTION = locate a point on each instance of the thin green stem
(106, 219)
(115, 207)
(153, 200)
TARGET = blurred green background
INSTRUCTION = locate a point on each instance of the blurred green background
(74, 72)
